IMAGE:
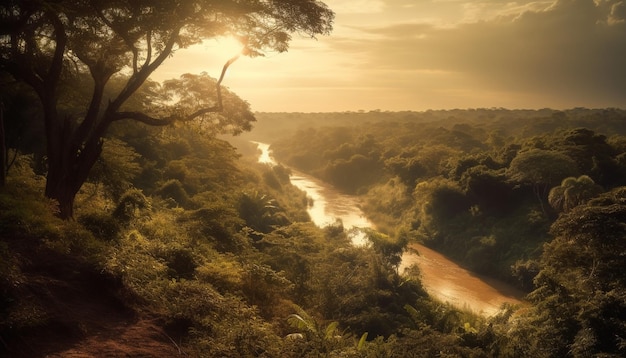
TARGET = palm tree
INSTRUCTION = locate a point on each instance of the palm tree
(260, 211)
(573, 192)
(322, 339)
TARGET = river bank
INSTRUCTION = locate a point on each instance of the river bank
(441, 277)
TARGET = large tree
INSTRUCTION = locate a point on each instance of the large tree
(580, 297)
(542, 169)
(45, 43)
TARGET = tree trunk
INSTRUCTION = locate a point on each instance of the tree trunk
(65, 196)
(69, 167)
(69, 163)
(56, 149)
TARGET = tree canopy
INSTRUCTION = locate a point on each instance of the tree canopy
(48, 43)
(580, 292)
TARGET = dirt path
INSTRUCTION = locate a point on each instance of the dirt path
(83, 314)
(141, 338)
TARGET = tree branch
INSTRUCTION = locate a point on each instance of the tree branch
(100, 80)
(138, 78)
(153, 121)
(56, 67)
(124, 35)
(143, 118)
(148, 49)
(218, 84)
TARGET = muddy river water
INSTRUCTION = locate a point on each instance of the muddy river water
(441, 277)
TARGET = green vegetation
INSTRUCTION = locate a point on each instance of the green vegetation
(225, 259)
(218, 252)
(482, 186)
(88, 65)
(128, 229)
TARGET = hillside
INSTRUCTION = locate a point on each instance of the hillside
(182, 246)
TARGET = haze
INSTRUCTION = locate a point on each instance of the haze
(435, 54)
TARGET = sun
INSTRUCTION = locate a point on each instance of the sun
(227, 47)
(208, 56)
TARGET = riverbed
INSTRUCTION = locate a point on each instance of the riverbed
(441, 277)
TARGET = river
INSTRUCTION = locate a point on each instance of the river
(442, 278)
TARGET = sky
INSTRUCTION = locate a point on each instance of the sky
(396, 55)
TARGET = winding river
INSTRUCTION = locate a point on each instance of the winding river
(442, 278)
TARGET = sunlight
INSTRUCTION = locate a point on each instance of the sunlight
(219, 51)
(208, 56)
(223, 47)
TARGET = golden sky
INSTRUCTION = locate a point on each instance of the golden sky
(435, 54)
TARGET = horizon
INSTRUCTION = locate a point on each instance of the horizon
(454, 109)
(402, 55)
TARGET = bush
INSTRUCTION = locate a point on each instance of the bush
(129, 204)
(102, 225)
(181, 263)
(173, 189)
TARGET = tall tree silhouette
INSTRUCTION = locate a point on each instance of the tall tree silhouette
(44, 43)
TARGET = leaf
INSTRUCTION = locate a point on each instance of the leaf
(331, 329)
(296, 321)
(302, 321)
(412, 312)
(361, 345)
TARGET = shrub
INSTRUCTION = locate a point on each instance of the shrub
(129, 204)
(181, 263)
(102, 225)
(173, 189)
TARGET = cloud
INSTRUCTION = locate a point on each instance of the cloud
(571, 52)
(617, 14)
(356, 6)
(407, 54)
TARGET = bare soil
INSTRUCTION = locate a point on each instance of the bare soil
(79, 311)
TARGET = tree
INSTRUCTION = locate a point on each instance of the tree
(573, 192)
(542, 169)
(260, 211)
(389, 249)
(580, 293)
(45, 43)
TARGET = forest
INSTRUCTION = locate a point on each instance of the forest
(483, 186)
(136, 220)
(180, 228)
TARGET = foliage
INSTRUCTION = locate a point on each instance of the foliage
(580, 288)
(474, 184)
(573, 192)
(102, 225)
(173, 189)
(129, 204)
(86, 60)
(260, 211)
(33, 240)
(389, 250)
(541, 167)
(116, 168)
(239, 269)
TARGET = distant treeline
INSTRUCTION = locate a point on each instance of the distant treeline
(271, 125)
(480, 185)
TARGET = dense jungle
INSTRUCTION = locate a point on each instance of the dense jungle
(183, 244)
(137, 221)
